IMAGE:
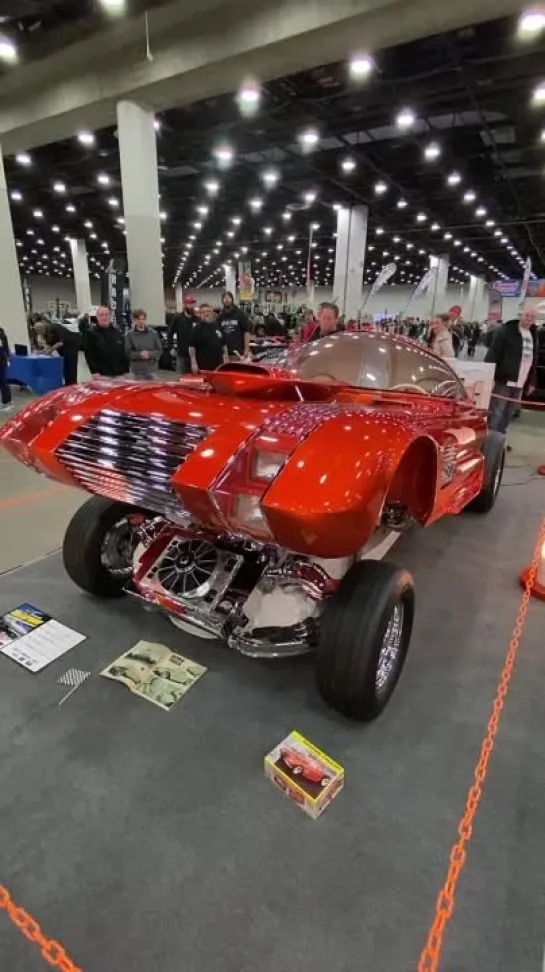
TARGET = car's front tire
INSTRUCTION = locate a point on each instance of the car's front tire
(88, 560)
(494, 449)
(364, 638)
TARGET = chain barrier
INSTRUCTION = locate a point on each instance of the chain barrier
(523, 402)
(431, 955)
(51, 951)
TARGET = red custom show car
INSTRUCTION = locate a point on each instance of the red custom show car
(253, 506)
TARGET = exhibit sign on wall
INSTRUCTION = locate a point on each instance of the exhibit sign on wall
(513, 288)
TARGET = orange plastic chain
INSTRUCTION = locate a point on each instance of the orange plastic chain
(430, 957)
(52, 952)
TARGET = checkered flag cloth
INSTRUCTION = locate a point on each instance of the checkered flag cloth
(74, 677)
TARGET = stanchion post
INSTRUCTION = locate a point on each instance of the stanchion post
(538, 587)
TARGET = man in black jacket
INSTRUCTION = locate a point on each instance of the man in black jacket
(182, 326)
(105, 347)
(513, 351)
(5, 390)
(236, 328)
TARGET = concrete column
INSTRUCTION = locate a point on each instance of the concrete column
(350, 258)
(439, 286)
(13, 306)
(78, 249)
(482, 300)
(471, 303)
(179, 297)
(231, 279)
(140, 184)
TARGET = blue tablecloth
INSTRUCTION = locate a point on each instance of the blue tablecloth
(41, 373)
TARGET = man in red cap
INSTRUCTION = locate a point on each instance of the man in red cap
(182, 327)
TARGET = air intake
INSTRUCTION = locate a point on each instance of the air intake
(131, 458)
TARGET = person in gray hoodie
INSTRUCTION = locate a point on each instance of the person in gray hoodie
(143, 348)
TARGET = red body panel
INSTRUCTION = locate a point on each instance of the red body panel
(346, 451)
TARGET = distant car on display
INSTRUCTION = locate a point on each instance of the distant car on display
(251, 505)
(303, 765)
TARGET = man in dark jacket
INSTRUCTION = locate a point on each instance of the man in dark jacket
(182, 326)
(513, 351)
(236, 328)
(57, 337)
(5, 390)
(105, 347)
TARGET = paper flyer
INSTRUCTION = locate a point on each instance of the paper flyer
(33, 638)
(155, 673)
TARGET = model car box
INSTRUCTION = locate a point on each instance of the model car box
(304, 773)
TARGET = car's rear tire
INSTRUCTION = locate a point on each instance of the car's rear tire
(83, 546)
(364, 638)
(494, 450)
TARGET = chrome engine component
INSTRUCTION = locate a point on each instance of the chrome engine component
(132, 458)
(397, 517)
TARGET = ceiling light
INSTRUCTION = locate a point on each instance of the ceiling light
(401, 203)
(113, 6)
(490, 223)
(309, 137)
(432, 152)
(497, 232)
(224, 154)
(469, 196)
(481, 211)
(380, 188)
(23, 158)
(59, 187)
(531, 23)
(16, 195)
(86, 138)
(309, 197)
(212, 187)
(538, 94)
(360, 66)
(8, 50)
(103, 179)
(405, 119)
(70, 208)
(379, 231)
(447, 236)
(202, 210)
(249, 95)
(435, 227)
(163, 215)
(454, 179)
(38, 214)
(421, 218)
(348, 165)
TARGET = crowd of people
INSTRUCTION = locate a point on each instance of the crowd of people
(204, 338)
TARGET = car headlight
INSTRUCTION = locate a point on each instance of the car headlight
(248, 511)
(267, 465)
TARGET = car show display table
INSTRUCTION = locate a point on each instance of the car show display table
(40, 372)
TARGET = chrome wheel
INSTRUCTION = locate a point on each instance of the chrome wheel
(390, 649)
(118, 546)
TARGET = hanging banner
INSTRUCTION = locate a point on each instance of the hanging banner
(113, 282)
(384, 276)
(495, 307)
(27, 295)
(246, 283)
(525, 280)
(421, 286)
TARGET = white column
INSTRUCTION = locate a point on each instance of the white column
(13, 306)
(350, 259)
(482, 301)
(439, 285)
(469, 309)
(231, 279)
(78, 249)
(140, 184)
(179, 297)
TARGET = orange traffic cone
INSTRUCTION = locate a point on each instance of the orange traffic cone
(538, 587)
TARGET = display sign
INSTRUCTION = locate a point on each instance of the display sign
(478, 379)
(514, 288)
(273, 296)
(246, 283)
(113, 282)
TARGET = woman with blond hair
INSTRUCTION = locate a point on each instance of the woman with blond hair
(440, 338)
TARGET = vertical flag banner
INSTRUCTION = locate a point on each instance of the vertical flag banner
(384, 276)
(421, 286)
(246, 283)
(113, 282)
(525, 281)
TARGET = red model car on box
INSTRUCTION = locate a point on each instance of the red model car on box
(301, 764)
(250, 506)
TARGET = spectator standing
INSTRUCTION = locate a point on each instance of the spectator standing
(327, 321)
(5, 390)
(57, 337)
(105, 347)
(440, 340)
(181, 326)
(208, 348)
(143, 348)
(236, 328)
(513, 351)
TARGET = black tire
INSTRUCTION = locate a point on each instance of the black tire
(82, 546)
(354, 624)
(494, 450)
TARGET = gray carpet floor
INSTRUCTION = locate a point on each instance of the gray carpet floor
(152, 842)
